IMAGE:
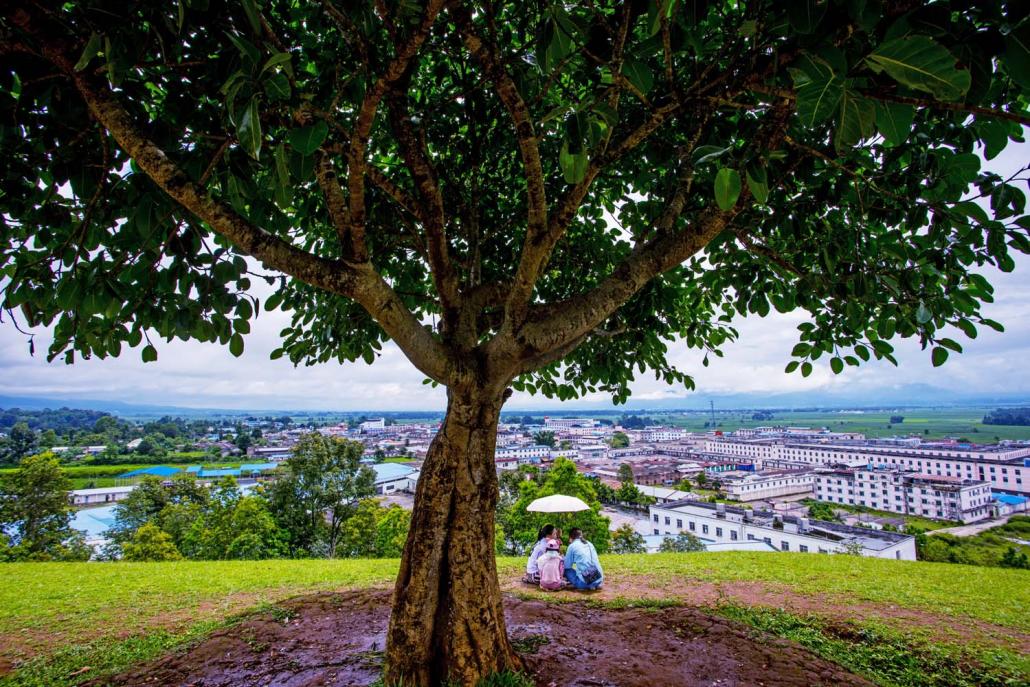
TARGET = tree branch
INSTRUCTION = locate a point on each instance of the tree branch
(433, 216)
(1023, 119)
(363, 127)
(357, 281)
(529, 150)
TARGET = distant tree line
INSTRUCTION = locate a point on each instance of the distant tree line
(321, 505)
(1008, 416)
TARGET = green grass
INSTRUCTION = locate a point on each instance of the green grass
(73, 611)
(886, 656)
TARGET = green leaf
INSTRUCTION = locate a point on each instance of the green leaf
(279, 59)
(249, 129)
(248, 53)
(894, 121)
(306, 140)
(1016, 57)
(638, 74)
(236, 345)
(939, 355)
(149, 354)
(273, 301)
(757, 182)
(923, 314)
(89, 52)
(819, 89)
(806, 369)
(791, 366)
(854, 120)
(727, 188)
(805, 15)
(837, 365)
(920, 63)
(250, 8)
(573, 165)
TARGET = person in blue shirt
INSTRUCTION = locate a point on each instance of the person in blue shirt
(582, 568)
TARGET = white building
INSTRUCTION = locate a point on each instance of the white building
(523, 454)
(662, 494)
(908, 493)
(373, 426)
(1006, 468)
(724, 527)
(758, 486)
(660, 434)
(569, 422)
(92, 497)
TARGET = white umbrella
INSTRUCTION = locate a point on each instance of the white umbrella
(558, 503)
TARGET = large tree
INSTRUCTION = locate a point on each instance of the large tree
(539, 196)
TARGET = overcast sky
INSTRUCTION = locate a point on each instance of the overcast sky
(204, 375)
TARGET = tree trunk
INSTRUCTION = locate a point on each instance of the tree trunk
(448, 621)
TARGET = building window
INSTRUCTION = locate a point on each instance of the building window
(656, 517)
(733, 535)
(785, 546)
(667, 520)
(692, 525)
(657, 532)
(679, 523)
(802, 548)
(718, 531)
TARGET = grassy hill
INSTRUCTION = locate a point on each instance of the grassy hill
(58, 618)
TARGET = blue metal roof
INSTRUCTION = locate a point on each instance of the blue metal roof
(387, 472)
(194, 468)
(1010, 499)
(224, 472)
(158, 470)
(258, 467)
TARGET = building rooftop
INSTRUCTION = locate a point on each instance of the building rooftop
(156, 470)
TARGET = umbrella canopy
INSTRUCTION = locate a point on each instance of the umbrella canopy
(558, 503)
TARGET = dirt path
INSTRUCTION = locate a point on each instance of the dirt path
(337, 639)
(691, 592)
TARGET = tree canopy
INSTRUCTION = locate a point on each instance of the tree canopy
(514, 175)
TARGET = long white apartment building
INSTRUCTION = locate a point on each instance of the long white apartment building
(569, 422)
(758, 486)
(1006, 468)
(725, 526)
(662, 434)
(522, 454)
(897, 491)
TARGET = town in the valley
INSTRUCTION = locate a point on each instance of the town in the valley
(770, 488)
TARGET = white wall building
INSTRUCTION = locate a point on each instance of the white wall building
(569, 422)
(897, 491)
(102, 495)
(726, 526)
(1006, 468)
(523, 454)
(373, 426)
(660, 434)
(757, 486)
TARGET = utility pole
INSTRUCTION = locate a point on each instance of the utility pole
(711, 405)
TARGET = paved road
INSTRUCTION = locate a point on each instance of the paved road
(975, 528)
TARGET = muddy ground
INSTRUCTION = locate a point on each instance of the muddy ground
(337, 639)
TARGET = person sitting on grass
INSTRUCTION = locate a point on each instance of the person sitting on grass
(552, 567)
(547, 533)
(582, 568)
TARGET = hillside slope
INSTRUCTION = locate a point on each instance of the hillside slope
(58, 619)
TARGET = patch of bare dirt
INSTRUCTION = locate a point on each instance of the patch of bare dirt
(337, 639)
(957, 629)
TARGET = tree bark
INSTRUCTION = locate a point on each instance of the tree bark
(448, 621)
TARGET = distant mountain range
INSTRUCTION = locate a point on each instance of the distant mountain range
(908, 395)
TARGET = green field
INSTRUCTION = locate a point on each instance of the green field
(55, 617)
(930, 423)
